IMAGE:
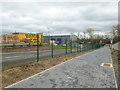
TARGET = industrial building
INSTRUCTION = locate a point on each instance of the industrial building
(60, 38)
(29, 37)
(9, 38)
(21, 38)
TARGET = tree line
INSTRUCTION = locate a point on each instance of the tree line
(110, 37)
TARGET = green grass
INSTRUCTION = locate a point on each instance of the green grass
(60, 47)
(54, 46)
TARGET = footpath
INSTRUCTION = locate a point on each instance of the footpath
(85, 71)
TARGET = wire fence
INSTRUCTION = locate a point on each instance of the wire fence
(68, 47)
(39, 51)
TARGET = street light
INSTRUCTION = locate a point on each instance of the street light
(84, 41)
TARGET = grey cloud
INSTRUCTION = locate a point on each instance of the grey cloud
(68, 17)
(103, 13)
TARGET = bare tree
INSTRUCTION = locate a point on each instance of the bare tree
(115, 30)
(90, 32)
(116, 33)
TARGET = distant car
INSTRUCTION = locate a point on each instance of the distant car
(27, 40)
(82, 42)
(64, 45)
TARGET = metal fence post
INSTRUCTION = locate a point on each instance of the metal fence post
(80, 47)
(37, 47)
(86, 46)
(52, 47)
(70, 46)
(77, 46)
(92, 46)
(14, 45)
(66, 46)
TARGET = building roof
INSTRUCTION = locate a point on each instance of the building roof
(25, 33)
(58, 34)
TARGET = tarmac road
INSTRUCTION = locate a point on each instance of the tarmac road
(30, 55)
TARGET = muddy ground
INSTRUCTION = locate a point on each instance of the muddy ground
(116, 64)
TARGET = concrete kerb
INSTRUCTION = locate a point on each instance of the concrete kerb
(48, 69)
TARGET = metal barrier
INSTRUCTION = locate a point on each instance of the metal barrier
(116, 46)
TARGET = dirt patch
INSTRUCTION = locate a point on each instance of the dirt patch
(116, 64)
(13, 75)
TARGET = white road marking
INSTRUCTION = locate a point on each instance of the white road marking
(16, 56)
(8, 57)
(12, 57)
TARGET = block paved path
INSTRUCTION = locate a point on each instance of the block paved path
(81, 72)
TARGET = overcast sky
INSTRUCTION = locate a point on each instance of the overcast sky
(68, 17)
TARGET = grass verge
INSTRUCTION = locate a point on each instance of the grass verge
(56, 47)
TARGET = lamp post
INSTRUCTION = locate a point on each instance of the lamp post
(78, 42)
(49, 35)
(84, 41)
(52, 46)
